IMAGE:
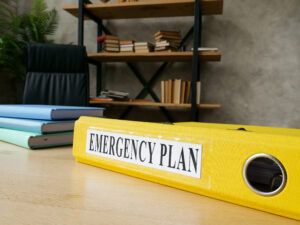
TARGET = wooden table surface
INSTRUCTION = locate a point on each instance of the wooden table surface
(48, 186)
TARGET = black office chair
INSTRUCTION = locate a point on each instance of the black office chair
(57, 75)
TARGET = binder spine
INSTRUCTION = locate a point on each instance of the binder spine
(253, 169)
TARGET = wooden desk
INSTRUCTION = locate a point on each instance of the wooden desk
(44, 187)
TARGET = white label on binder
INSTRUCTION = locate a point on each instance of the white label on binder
(172, 156)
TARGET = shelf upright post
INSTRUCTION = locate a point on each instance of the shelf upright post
(80, 22)
(196, 63)
(99, 65)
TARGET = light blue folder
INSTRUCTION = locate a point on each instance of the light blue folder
(48, 112)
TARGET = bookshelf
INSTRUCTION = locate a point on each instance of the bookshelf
(97, 12)
(154, 56)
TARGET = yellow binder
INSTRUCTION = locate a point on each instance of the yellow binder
(258, 168)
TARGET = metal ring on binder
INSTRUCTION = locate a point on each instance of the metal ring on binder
(283, 174)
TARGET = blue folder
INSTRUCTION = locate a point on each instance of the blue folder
(37, 126)
(48, 112)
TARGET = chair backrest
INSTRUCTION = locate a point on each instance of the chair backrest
(57, 75)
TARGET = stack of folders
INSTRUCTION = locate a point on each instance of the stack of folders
(41, 126)
(178, 91)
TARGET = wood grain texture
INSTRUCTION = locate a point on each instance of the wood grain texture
(153, 56)
(148, 9)
(49, 187)
(157, 104)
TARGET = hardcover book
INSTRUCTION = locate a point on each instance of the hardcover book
(36, 126)
(32, 140)
(48, 112)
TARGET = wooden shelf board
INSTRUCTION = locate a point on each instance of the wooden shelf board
(201, 106)
(148, 9)
(154, 56)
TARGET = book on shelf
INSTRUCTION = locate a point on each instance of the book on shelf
(127, 42)
(167, 40)
(170, 91)
(167, 44)
(127, 46)
(113, 42)
(178, 91)
(182, 91)
(110, 43)
(166, 49)
(187, 92)
(110, 49)
(161, 32)
(166, 86)
(162, 83)
(202, 49)
(126, 49)
(143, 47)
(143, 44)
(116, 95)
(168, 37)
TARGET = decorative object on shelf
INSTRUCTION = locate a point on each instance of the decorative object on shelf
(167, 40)
(143, 47)
(104, 1)
(110, 43)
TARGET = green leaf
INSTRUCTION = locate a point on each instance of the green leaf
(17, 31)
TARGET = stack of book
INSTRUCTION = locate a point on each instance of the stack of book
(178, 91)
(110, 43)
(167, 40)
(143, 47)
(127, 46)
(41, 126)
(115, 95)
